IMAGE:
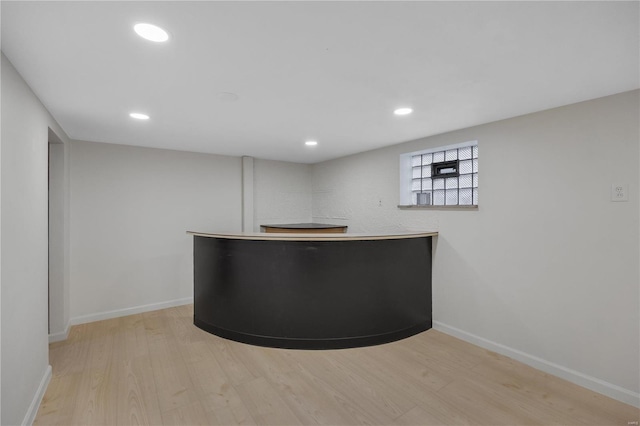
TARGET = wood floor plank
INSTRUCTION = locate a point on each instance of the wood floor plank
(478, 402)
(130, 338)
(265, 405)
(415, 384)
(261, 361)
(564, 398)
(209, 379)
(418, 416)
(182, 327)
(424, 376)
(137, 402)
(173, 384)
(192, 414)
(368, 386)
(94, 402)
(223, 353)
(429, 346)
(156, 324)
(441, 367)
(69, 359)
(345, 389)
(157, 368)
(311, 403)
(234, 413)
(413, 394)
(196, 351)
(58, 402)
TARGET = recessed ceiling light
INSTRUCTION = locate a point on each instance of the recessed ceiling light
(139, 116)
(311, 143)
(403, 111)
(151, 32)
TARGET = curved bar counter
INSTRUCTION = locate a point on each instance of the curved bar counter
(312, 291)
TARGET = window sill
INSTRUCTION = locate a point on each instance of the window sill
(413, 207)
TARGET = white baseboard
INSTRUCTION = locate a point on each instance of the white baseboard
(581, 379)
(37, 398)
(60, 336)
(129, 311)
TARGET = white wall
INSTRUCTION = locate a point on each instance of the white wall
(24, 247)
(547, 268)
(130, 210)
(282, 192)
(361, 191)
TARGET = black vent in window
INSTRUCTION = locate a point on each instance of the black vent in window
(445, 169)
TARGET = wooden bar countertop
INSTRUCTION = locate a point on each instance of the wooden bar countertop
(261, 236)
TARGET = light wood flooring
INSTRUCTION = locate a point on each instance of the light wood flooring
(157, 368)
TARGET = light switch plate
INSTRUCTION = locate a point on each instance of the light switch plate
(619, 192)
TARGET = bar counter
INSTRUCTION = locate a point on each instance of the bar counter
(312, 291)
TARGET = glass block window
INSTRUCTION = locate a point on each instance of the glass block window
(445, 176)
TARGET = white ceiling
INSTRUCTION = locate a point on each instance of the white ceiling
(329, 71)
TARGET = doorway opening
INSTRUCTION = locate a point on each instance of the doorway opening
(56, 287)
